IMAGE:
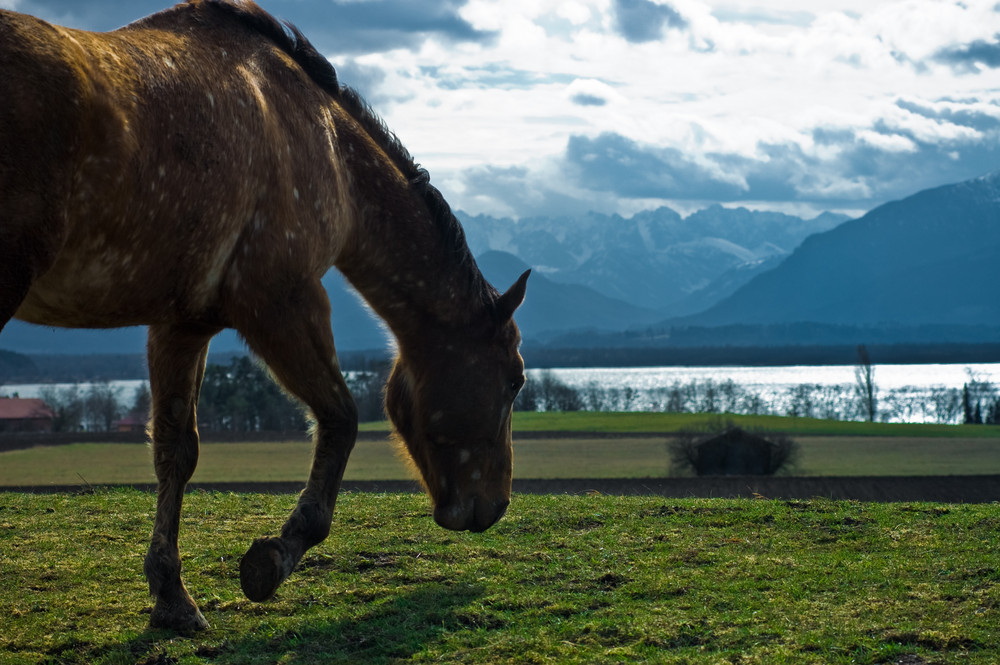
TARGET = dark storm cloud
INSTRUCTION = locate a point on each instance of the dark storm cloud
(967, 57)
(855, 170)
(612, 162)
(644, 21)
(369, 26)
(91, 14)
(366, 79)
(359, 26)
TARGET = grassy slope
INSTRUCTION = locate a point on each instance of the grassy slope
(560, 580)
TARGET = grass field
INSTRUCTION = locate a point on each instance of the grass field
(116, 463)
(591, 579)
(828, 448)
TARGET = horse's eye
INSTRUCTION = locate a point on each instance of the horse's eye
(517, 384)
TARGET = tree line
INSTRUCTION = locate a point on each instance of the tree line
(976, 402)
(236, 397)
(241, 397)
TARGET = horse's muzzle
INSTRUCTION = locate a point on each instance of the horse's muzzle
(473, 514)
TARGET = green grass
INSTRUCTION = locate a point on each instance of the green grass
(573, 457)
(582, 579)
(644, 422)
(828, 448)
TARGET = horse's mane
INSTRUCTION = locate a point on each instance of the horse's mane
(291, 40)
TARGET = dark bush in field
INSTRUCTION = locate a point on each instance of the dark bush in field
(722, 449)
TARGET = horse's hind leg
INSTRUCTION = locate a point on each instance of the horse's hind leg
(303, 361)
(176, 368)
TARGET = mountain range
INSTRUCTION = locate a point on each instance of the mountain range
(655, 259)
(927, 260)
(930, 259)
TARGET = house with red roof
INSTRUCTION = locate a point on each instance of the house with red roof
(25, 415)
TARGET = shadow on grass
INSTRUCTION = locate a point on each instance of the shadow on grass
(389, 632)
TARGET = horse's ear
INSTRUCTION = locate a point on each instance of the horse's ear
(511, 300)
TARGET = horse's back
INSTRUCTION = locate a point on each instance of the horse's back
(144, 158)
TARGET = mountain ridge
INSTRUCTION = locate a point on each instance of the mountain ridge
(928, 258)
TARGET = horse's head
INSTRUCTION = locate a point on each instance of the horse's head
(450, 402)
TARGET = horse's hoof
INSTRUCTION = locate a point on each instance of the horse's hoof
(262, 569)
(179, 617)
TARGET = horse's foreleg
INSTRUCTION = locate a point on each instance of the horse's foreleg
(303, 360)
(176, 368)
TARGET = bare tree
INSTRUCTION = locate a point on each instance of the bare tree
(864, 377)
(101, 406)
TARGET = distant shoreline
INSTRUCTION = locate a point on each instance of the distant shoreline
(71, 368)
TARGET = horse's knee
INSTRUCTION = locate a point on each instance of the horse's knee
(339, 423)
(175, 458)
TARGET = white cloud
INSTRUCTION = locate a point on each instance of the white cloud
(576, 13)
(591, 92)
(887, 142)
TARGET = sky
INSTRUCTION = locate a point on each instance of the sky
(556, 107)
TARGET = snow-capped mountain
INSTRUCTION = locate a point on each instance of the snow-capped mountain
(654, 259)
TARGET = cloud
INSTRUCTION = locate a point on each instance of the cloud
(333, 26)
(591, 92)
(923, 146)
(519, 191)
(369, 26)
(614, 163)
(969, 57)
(91, 15)
(644, 21)
(366, 79)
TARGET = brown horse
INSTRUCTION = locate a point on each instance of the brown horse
(202, 169)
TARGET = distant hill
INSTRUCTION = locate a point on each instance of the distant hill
(930, 259)
(14, 366)
(551, 308)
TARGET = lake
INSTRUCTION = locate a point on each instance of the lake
(887, 377)
(904, 390)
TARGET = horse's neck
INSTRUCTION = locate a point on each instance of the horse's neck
(404, 263)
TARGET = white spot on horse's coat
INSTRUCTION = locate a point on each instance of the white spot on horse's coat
(464, 456)
(211, 100)
(168, 62)
(295, 193)
(163, 171)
